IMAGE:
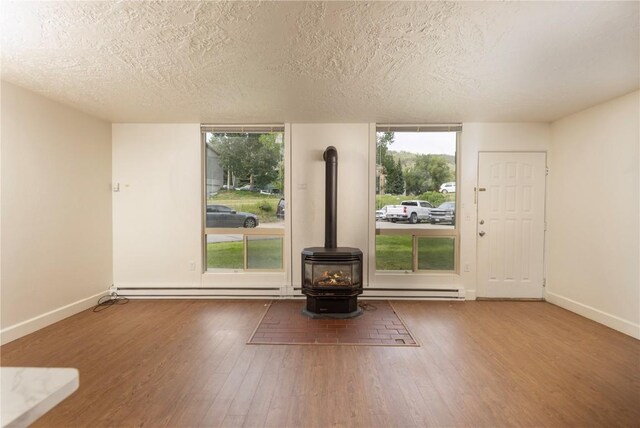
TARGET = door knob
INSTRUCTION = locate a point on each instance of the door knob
(481, 233)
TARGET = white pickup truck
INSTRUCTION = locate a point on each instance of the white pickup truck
(412, 211)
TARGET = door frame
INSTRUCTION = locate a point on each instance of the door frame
(479, 290)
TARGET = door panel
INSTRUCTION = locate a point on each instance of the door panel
(511, 198)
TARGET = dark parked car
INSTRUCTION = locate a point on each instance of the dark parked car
(445, 213)
(280, 209)
(223, 216)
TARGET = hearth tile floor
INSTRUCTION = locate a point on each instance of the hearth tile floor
(284, 323)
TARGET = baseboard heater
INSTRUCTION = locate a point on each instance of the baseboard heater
(198, 288)
(200, 292)
(409, 293)
(275, 293)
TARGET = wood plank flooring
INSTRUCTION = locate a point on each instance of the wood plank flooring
(185, 363)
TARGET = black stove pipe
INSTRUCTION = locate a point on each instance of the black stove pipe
(330, 157)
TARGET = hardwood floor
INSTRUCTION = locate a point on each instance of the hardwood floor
(185, 363)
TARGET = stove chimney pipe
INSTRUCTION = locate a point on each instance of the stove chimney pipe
(330, 157)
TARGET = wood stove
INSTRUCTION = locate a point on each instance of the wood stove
(331, 275)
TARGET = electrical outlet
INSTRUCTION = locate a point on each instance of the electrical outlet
(467, 267)
(192, 266)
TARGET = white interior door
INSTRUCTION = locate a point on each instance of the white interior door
(511, 198)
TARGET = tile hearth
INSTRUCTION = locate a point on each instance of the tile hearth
(284, 323)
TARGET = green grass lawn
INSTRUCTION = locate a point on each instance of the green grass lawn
(393, 252)
(225, 255)
(436, 253)
(263, 253)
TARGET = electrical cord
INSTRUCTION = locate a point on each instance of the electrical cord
(107, 301)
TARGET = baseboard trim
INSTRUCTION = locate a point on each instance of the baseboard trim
(23, 328)
(594, 314)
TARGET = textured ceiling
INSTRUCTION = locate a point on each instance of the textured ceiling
(263, 62)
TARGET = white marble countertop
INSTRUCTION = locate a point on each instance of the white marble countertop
(30, 392)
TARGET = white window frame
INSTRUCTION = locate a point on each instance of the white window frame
(236, 279)
(384, 277)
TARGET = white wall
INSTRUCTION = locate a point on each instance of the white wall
(308, 187)
(158, 168)
(477, 137)
(56, 211)
(157, 212)
(157, 217)
(593, 214)
(355, 144)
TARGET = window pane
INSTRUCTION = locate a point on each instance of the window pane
(244, 181)
(244, 188)
(394, 252)
(415, 180)
(225, 252)
(436, 253)
(264, 252)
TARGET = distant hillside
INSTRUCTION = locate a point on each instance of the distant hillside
(409, 159)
